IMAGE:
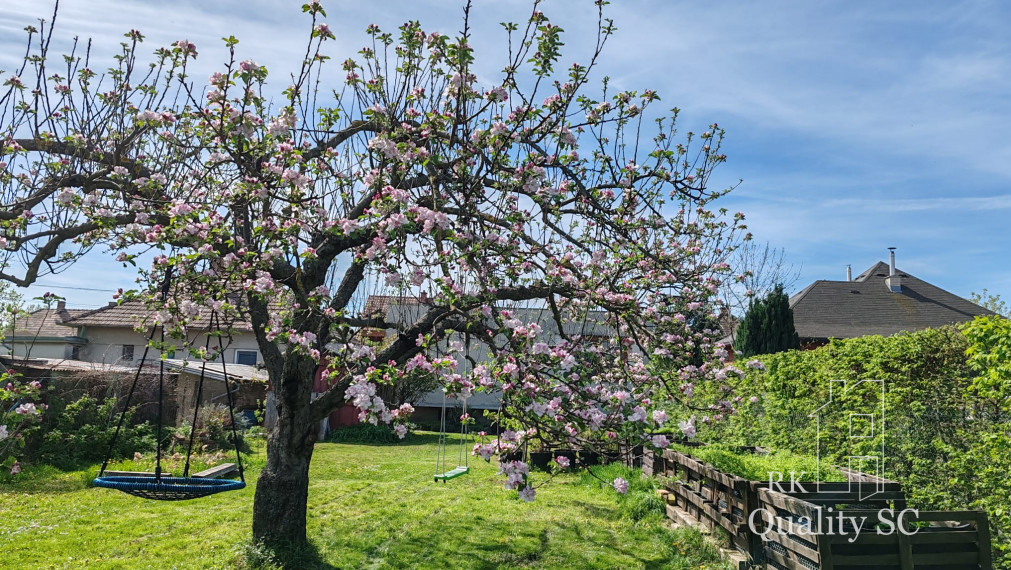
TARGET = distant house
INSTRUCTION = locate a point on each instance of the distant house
(883, 300)
(110, 336)
(40, 334)
(406, 310)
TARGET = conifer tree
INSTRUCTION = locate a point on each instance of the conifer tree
(767, 327)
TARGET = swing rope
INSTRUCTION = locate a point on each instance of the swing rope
(463, 460)
(171, 488)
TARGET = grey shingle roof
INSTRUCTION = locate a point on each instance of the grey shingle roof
(865, 306)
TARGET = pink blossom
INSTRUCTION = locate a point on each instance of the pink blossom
(187, 47)
(27, 408)
(688, 427)
(249, 65)
(620, 485)
(323, 30)
(562, 462)
(528, 493)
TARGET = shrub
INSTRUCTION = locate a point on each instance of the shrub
(363, 433)
(81, 433)
(947, 416)
(757, 467)
(213, 431)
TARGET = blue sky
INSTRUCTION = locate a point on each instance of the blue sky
(854, 126)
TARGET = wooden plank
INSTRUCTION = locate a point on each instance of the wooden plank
(940, 558)
(704, 469)
(853, 475)
(825, 559)
(833, 497)
(788, 503)
(703, 507)
(865, 560)
(906, 561)
(952, 536)
(867, 537)
(217, 471)
(782, 560)
(828, 487)
(791, 544)
(983, 528)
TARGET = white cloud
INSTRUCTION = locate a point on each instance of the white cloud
(854, 126)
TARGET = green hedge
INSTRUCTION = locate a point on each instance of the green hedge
(947, 421)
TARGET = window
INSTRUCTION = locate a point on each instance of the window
(75, 352)
(249, 357)
(127, 352)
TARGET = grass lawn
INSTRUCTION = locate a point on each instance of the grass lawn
(370, 506)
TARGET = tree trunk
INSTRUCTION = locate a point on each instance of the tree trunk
(282, 490)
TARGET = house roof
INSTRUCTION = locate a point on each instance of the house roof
(866, 306)
(216, 370)
(65, 365)
(131, 313)
(379, 305)
(44, 324)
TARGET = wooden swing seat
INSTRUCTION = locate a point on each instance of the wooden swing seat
(453, 474)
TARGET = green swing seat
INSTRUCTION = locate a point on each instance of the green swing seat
(452, 474)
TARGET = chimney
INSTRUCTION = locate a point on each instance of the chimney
(61, 306)
(894, 280)
(849, 273)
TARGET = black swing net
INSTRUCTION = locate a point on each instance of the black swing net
(161, 486)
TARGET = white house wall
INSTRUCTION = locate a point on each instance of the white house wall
(42, 349)
(105, 344)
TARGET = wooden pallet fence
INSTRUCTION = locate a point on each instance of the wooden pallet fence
(798, 534)
(716, 499)
(800, 527)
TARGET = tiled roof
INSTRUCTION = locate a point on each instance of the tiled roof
(865, 306)
(379, 305)
(132, 313)
(44, 323)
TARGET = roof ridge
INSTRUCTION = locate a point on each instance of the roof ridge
(98, 310)
(803, 293)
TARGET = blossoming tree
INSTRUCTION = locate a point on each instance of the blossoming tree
(394, 169)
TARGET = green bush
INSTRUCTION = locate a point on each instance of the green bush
(363, 433)
(81, 432)
(213, 432)
(757, 467)
(947, 418)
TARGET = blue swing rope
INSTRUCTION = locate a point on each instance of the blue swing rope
(172, 488)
